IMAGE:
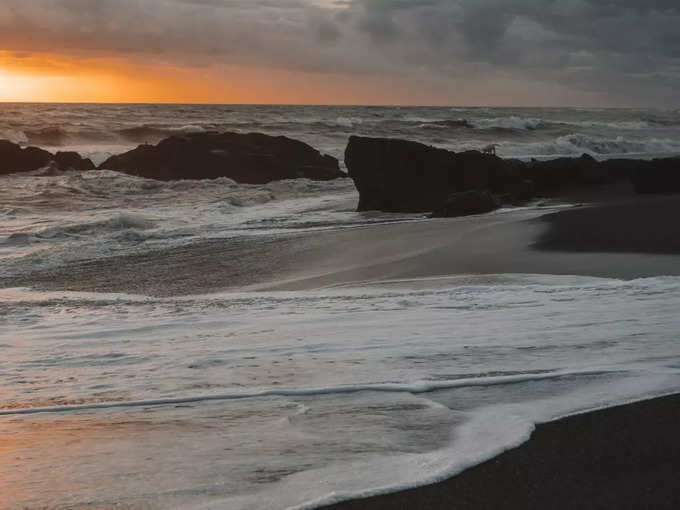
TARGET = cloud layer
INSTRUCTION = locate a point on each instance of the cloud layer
(616, 51)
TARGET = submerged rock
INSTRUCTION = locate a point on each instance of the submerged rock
(246, 158)
(403, 176)
(14, 158)
(466, 203)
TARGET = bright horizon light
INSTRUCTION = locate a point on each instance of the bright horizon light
(15, 85)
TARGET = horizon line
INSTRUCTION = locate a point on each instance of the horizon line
(365, 105)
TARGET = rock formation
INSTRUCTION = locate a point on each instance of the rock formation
(72, 161)
(14, 158)
(246, 158)
(403, 176)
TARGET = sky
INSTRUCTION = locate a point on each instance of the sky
(424, 52)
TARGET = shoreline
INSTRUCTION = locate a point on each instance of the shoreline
(622, 239)
(625, 456)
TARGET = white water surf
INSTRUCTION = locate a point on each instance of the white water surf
(293, 399)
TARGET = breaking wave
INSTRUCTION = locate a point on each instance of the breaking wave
(327, 128)
(117, 223)
(528, 124)
(74, 135)
(102, 213)
(447, 124)
(534, 124)
(14, 136)
(577, 144)
(517, 123)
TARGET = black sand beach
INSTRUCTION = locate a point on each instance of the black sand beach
(639, 225)
(625, 457)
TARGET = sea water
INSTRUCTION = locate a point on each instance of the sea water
(101, 130)
(262, 400)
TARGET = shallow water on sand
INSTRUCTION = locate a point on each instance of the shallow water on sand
(276, 400)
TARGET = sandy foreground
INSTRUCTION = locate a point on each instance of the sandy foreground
(623, 239)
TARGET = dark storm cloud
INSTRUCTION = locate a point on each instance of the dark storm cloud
(490, 26)
(624, 48)
(615, 46)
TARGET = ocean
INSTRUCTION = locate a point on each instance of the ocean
(260, 399)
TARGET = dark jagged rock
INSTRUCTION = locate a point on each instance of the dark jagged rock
(14, 158)
(403, 176)
(73, 161)
(559, 174)
(246, 158)
(466, 203)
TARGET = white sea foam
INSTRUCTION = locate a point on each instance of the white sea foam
(577, 144)
(532, 124)
(81, 216)
(117, 223)
(348, 122)
(264, 400)
(13, 136)
(511, 122)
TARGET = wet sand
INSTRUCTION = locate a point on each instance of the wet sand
(626, 457)
(627, 239)
(639, 225)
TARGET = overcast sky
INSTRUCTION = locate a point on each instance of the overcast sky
(609, 52)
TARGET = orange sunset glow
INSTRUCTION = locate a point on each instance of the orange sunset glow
(54, 79)
(102, 81)
(51, 79)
